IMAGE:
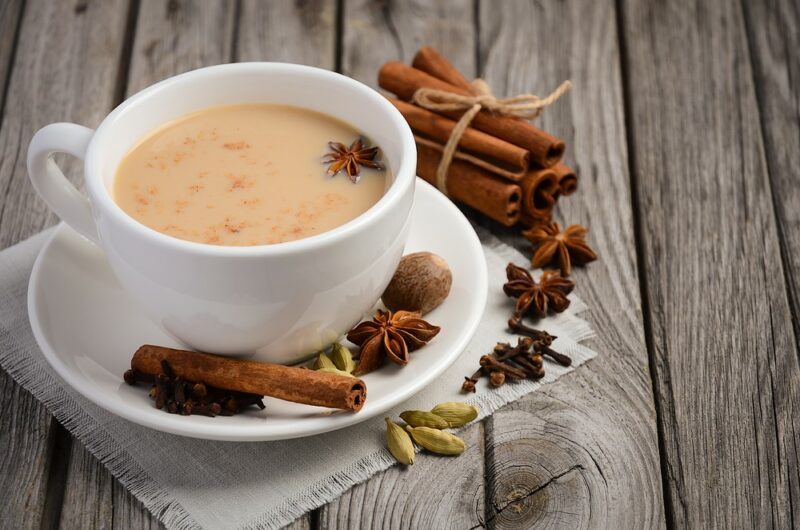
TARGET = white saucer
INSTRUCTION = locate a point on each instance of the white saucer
(88, 328)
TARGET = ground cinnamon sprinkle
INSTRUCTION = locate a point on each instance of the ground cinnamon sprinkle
(236, 146)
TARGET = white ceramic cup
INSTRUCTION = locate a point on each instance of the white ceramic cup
(279, 302)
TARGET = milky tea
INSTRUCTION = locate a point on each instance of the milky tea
(247, 174)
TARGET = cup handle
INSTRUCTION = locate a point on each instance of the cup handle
(51, 184)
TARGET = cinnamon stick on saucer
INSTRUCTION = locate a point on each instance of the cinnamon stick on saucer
(299, 385)
(404, 80)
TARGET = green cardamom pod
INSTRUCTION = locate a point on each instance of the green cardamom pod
(342, 358)
(323, 361)
(334, 370)
(421, 418)
(399, 443)
(455, 413)
(436, 441)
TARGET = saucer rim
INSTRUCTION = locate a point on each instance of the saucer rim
(269, 432)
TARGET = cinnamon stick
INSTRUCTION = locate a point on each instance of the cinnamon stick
(567, 179)
(404, 80)
(539, 188)
(433, 63)
(474, 186)
(506, 159)
(283, 382)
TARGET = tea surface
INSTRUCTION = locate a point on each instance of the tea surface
(243, 175)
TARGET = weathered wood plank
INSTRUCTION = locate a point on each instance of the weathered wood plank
(175, 36)
(65, 68)
(302, 31)
(725, 358)
(376, 31)
(88, 495)
(93, 498)
(27, 435)
(34, 441)
(774, 36)
(435, 492)
(583, 452)
(25, 461)
(171, 37)
(129, 512)
(10, 13)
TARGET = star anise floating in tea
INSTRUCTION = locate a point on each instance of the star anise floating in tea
(390, 336)
(566, 248)
(350, 159)
(536, 298)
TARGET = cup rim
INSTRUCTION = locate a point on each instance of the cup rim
(404, 175)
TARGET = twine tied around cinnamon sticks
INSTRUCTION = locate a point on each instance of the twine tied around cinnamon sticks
(526, 106)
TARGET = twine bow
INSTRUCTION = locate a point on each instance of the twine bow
(526, 106)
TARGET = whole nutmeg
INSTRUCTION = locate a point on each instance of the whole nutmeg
(422, 282)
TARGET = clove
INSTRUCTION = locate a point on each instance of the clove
(534, 372)
(523, 361)
(504, 351)
(491, 364)
(469, 382)
(178, 396)
(132, 377)
(497, 379)
(560, 358)
(542, 337)
(199, 390)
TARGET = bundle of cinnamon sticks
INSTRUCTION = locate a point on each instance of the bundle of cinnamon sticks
(504, 167)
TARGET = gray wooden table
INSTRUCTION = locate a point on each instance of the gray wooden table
(684, 124)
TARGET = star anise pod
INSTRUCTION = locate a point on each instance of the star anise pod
(390, 336)
(351, 158)
(566, 248)
(533, 297)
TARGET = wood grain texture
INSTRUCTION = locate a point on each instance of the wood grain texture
(89, 494)
(170, 37)
(94, 499)
(582, 453)
(129, 512)
(175, 36)
(725, 358)
(435, 492)
(774, 37)
(10, 13)
(301, 31)
(377, 31)
(27, 434)
(64, 69)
